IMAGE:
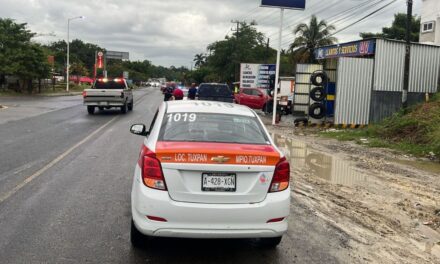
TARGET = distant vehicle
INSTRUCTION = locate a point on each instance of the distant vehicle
(208, 170)
(215, 92)
(155, 84)
(107, 93)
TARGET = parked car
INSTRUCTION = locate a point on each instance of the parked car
(208, 170)
(215, 92)
(255, 98)
(107, 93)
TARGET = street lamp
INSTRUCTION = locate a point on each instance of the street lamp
(68, 48)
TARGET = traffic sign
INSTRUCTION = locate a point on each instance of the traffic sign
(287, 4)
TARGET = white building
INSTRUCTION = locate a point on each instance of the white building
(430, 29)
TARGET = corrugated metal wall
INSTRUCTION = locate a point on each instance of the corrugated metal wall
(353, 93)
(424, 69)
(302, 80)
(390, 65)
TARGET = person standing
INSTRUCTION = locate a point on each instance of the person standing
(192, 92)
(178, 94)
(168, 93)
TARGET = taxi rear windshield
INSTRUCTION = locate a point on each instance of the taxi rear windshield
(109, 85)
(221, 128)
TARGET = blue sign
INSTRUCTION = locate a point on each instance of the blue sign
(351, 49)
(291, 4)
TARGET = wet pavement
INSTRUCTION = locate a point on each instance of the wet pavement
(17, 108)
(329, 168)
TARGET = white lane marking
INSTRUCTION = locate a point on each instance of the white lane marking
(53, 162)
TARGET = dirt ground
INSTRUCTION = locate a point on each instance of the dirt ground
(388, 203)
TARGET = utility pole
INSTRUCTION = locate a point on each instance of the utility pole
(235, 47)
(407, 54)
(267, 51)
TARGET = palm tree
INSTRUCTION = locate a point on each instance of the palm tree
(199, 60)
(309, 37)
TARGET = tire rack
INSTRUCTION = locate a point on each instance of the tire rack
(323, 102)
(309, 100)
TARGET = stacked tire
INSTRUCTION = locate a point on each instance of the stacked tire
(318, 94)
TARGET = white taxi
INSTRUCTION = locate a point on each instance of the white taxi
(209, 170)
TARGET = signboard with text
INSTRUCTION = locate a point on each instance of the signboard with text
(117, 55)
(289, 4)
(256, 75)
(352, 49)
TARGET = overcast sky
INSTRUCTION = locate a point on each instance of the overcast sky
(171, 32)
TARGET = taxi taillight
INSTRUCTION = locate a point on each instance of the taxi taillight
(281, 176)
(151, 170)
(84, 93)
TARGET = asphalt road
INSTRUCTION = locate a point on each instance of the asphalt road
(65, 181)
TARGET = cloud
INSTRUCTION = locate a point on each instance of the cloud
(171, 32)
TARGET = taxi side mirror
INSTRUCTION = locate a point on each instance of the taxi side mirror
(139, 129)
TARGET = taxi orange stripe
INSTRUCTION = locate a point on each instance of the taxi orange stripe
(216, 153)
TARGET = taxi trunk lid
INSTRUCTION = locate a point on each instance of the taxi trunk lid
(219, 173)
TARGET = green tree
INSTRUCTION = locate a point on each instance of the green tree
(19, 56)
(199, 60)
(309, 37)
(397, 29)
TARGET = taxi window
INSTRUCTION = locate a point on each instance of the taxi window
(203, 127)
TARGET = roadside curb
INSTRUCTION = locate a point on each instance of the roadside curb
(329, 125)
(59, 94)
(42, 95)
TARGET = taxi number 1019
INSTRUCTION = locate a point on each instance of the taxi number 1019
(178, 117)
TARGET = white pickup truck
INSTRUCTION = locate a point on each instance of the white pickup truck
(107, 93)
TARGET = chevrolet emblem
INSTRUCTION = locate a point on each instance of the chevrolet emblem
(220, 159)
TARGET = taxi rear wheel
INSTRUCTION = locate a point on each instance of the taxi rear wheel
(270, 242)
(137, 239)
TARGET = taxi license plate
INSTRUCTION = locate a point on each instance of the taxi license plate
(218, 182)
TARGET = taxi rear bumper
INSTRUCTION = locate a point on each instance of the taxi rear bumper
(198, 220)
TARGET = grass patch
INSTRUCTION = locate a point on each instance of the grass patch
(416, 131)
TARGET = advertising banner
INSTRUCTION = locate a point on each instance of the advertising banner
(352, 49)
(256, 75)
(289, 4)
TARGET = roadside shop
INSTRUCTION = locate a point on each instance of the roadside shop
(361, 82)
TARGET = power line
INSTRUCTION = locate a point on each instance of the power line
(365, 17)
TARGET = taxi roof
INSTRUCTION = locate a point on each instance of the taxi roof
(195, 106)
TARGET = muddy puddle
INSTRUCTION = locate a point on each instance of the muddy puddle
(317, 164)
